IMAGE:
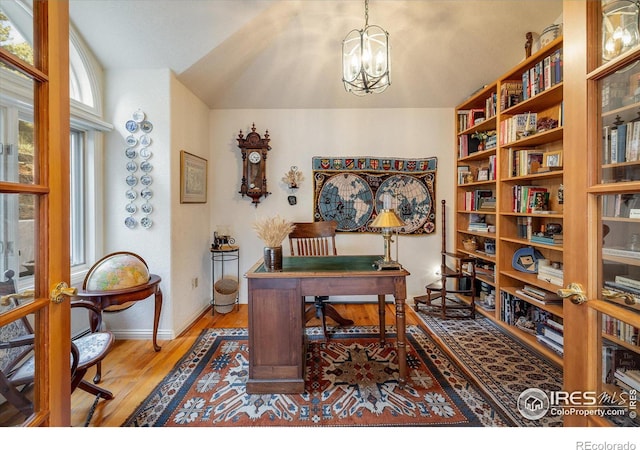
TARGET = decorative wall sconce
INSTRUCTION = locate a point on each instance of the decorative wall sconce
(292, 179)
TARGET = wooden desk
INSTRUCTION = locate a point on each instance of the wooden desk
(276, 313)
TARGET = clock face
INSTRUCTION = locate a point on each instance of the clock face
(254, 157)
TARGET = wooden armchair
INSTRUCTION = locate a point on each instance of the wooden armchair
(17, 362)
(317, 239)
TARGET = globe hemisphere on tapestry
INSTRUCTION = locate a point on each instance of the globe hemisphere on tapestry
(348, 200)
(412, 198)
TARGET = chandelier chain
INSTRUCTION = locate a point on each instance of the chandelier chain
(366, 13)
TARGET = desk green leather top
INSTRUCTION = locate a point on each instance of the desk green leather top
(342, 263)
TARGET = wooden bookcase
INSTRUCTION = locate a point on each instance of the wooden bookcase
(516, 157)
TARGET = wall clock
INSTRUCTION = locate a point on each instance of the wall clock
(254, 150)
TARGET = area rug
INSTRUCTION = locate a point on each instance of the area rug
(350, 381)
(500, 365)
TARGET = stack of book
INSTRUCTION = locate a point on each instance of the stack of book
(538, 295)
(478, 227)
(549, 239)
(546, 272)
(550, 334)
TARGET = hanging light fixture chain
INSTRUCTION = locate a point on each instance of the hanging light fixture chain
(366, 13)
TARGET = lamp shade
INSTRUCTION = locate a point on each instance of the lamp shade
(387, 219)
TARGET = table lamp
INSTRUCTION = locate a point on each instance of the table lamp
(387, 220)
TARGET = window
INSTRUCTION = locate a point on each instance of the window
(85, 149)
(78, 188)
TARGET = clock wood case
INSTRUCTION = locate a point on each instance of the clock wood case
(254, 159)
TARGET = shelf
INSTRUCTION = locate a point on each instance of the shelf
(484, 154)
(530, 278)
(543, 137)
(528, 243)
(484, 234)
(621, 343)
(477, 183)
(555, 309)
(545, 99)
(546, 216)
(535, 176)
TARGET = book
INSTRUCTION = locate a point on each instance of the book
(550, 343)
(620, 251)
(614, 145)
(541, 294)
(626, 281)
(553, 335)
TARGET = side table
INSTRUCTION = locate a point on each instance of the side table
(223, 301)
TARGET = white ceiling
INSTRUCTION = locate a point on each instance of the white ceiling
(287, 53)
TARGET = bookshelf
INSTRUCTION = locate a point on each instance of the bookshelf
(520, 172)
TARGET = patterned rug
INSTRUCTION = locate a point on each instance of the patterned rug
(350, 381)
(502, 366)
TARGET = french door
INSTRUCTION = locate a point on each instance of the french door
(34, 202)
(602, 232)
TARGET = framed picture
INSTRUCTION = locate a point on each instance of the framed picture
(193, 178)
(553, 159)
(483, 174)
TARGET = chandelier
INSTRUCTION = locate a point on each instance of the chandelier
(365, 59)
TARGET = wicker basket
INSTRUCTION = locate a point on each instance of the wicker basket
(226, 292)
(470, 245)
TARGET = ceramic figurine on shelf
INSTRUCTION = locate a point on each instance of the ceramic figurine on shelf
(528, 44)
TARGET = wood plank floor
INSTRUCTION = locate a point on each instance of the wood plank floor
(132, 369)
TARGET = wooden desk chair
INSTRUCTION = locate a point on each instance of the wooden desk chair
(317, 239)
(457, 278)
(17, 362)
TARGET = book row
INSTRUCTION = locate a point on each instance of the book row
(621, 142)
(620, 330)
(543, 75)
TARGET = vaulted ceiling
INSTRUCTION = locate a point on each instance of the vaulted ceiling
(287, 53)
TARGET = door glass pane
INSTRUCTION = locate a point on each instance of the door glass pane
(17, 363)
(18, 158)
(16, 30)
(620, 117)
(18, 234)
(17, 243)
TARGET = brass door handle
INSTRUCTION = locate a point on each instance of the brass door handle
(4, 300)
(60, 290)
(575, 292)
(614, 295)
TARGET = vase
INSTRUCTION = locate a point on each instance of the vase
(273, 259)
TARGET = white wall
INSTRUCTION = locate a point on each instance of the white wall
(297, 136)
(128, 91)
(190, 226)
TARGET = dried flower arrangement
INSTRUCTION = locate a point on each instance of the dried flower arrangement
(273, 230)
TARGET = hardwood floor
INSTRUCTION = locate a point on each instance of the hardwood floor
(132, 369)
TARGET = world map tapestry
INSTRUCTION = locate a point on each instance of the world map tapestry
(351, 191)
